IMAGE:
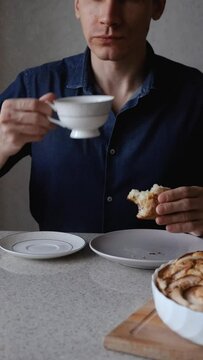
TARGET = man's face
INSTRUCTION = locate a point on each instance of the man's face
(114, 29)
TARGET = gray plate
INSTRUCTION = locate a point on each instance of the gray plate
(146, 249)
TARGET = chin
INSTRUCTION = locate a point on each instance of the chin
(108, 54)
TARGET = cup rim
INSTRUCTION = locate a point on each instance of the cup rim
(86, 99)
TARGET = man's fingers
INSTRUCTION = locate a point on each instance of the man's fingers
(14, 119)
(48, 97)
(26, 105)
(179, 193)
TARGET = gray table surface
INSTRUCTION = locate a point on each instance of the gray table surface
(61, 309)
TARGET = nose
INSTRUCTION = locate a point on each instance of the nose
(110, 13)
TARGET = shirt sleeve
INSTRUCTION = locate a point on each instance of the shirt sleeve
(17, 89)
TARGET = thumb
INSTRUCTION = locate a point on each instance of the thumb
(48, 97)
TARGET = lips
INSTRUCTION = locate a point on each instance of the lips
(107, 40)
(108, 37)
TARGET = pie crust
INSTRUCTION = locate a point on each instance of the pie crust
(182, 280)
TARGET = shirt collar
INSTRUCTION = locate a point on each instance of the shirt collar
(82, 76)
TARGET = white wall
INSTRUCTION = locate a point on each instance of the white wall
(34, 32)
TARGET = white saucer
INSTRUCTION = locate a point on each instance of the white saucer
(41, 244)
(144, 248)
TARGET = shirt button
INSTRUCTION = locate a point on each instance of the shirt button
(112, 151)
(109, 198)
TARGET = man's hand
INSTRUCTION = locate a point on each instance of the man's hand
(181, 210)
(23, 121)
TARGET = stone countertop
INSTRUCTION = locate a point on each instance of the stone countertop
(61, 309)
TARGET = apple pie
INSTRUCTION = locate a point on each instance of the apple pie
(182, 280)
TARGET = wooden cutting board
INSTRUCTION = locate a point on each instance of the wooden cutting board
(144, 334)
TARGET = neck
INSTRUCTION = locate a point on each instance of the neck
(119, 78)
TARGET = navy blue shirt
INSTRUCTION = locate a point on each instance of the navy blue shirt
(82, 185)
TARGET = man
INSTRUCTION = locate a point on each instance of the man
(153, 133)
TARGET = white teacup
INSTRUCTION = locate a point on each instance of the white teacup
(82, 114)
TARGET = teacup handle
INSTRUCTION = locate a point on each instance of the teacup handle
(52, 120)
